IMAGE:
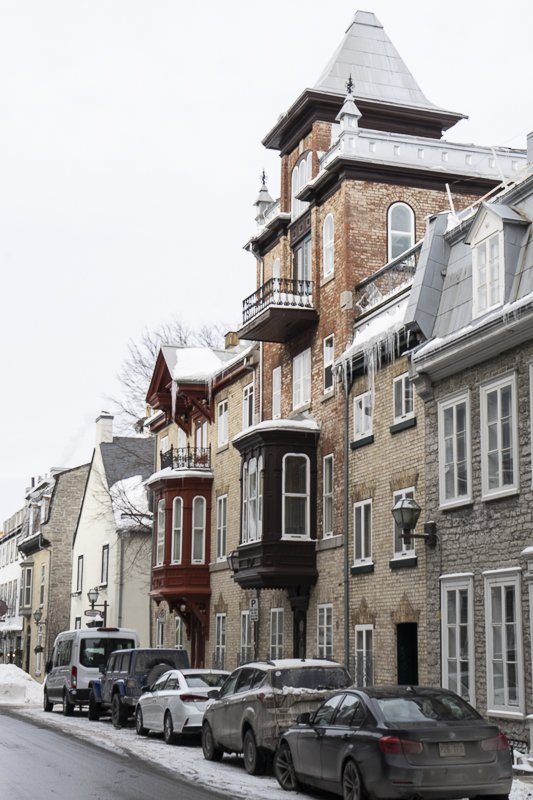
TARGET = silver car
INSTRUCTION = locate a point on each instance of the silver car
(262, 699)
(175, 703)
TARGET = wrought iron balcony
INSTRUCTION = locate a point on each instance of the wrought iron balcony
(280, 309)
(186, 458)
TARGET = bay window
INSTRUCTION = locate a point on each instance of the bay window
(177, 530)
(160, 540)
(198, 530)
(295, 496)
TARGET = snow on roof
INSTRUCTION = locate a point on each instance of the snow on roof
(130, 503)
(193, 363)
(168, 473)
(384, 324)
(305, 424)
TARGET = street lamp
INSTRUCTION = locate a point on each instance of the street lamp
(233, 560)
(37, 615)
(92, 597)
(406, 513)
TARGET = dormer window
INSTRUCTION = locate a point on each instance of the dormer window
(487, 274)
(301, 175)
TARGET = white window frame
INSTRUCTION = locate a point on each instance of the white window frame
(246, 647)
(198, 529)
(360, 508)
(367, 632)
(79, 574)
(160, 539)
(200, 435)
(327, 495)
(222, 423)
(276, 632)
(484, 244)
(222, 527)
(444, 405)
(501, 579)
(220, 639)
(179, 634)
(403, 381)
(328, 246)
(406, 551)
(160, 633)
(362, 423)
(458, 583)
(300, 176)
(497, 385)
(328, 351)
(42, 585)
(301, 379)
(177, 530)
(248, 406)
(252, 501)
(284, 494)
(276, 393)
(104, 565)
(324, 626)
(392, 231)
(164, 444)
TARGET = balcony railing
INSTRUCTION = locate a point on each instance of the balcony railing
(219, 658)
(388, 280)
(284, 292)
(186, 458)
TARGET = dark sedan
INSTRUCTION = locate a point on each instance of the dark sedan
(396, 742)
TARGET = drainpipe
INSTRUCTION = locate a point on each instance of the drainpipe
(121, 580)
(346, 519)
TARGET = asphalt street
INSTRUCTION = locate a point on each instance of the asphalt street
(37, 763)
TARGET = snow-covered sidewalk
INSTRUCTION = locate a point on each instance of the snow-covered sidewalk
(187, 760)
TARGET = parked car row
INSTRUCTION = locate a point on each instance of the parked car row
(303, 716)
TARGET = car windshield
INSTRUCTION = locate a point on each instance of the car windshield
(145, 661)
(94, 652)
(311, 678)
(422, 708)
(206, 680)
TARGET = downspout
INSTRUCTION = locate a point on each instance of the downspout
(120, 580)
(346, 517)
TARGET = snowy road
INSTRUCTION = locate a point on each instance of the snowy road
(202, 778)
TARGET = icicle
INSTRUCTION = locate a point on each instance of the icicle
(174, 396)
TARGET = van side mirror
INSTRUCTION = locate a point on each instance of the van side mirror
(48, 667)
(213, 694)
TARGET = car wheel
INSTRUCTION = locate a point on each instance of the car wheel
(254, 758)
(47, 705)
(95, 709)
(352, 786)
(119, 714)
(139, 727)
(210, 750)
(284, 768)
(168, 729)
(68, 707)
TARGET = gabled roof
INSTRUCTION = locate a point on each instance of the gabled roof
(127, 456)
(194, 364)
(499, 210)
(377, 69)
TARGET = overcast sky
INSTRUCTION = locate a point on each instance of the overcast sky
(130, 149)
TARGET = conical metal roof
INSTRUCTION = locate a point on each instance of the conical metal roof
(378, 71)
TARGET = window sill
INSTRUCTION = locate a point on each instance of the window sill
(500, 495)
(327, 279)
(406, 562)
(218, 566)
(329, 542)
(362, 569)
(503, 714)
(362, 442)
(452, 504)
(403, 425)
(77, 593)
(299, 409)
(102, 585)
(327, 395)
(295, 538)
(222, 447)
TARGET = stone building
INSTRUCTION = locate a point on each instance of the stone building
(472, 300)
(11, 620)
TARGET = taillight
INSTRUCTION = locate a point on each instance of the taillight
(270, 700)
(499, 742)
(74, 677)
(193, 698)
(393, 745)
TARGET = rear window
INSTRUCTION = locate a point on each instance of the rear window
(311, 678)
(204, 681)
(145, 661)
(94, 652)
(425, 709)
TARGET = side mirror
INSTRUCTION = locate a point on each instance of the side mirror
(304, 719)
(145, 689)
(101, 669)
(213, 694)
(48, 667)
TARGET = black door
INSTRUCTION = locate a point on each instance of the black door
(407, 653)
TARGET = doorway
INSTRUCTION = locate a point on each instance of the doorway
(407, 653)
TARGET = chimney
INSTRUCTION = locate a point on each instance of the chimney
(104, 427)
(530, 148)
(231, 339)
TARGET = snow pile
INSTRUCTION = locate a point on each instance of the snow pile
(17, 687)
(130, 503)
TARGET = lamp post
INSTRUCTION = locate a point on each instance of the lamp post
(92, 597)
(233, 560)
(37, 616)
(406, 513)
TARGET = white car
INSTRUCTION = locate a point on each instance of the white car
(175, 703)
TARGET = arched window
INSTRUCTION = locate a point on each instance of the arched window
(295, 484)
(301, 175)
(160, 543)
(177, 529)
(198, 531)
(328, 249)
(400, 229)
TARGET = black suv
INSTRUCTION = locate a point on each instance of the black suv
(125, 673)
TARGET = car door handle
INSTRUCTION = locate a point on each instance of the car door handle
(319, 732)
(346, 737)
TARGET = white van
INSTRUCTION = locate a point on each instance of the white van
(76, 660)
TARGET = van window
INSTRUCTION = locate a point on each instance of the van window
(94, 652)
(124, 662)
(62, 653)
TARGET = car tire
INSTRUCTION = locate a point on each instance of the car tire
(68, 707)
(47, 705)
(284, 768)
(140, 730)
(254, 759)
(209, 747)
(352, 785)
(95, 709)
(168, 729)
(119, 714)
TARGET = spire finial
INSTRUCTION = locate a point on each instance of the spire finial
(263, 179)
(349, 84)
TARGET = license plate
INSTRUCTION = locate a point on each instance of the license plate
(448, 749)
